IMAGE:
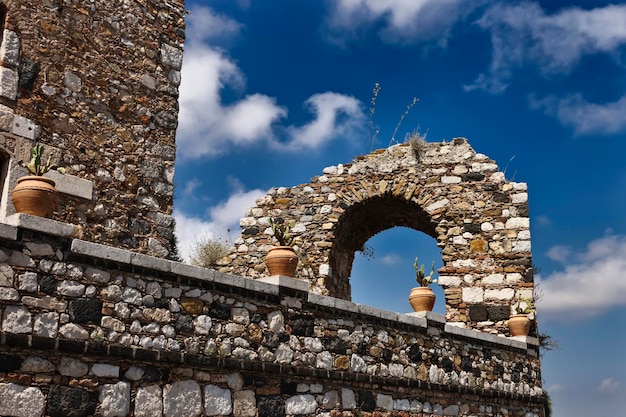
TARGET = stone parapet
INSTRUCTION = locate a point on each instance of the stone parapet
(85, 321)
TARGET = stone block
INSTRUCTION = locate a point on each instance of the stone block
(493, 279)
(20, 401)
(182, 398)
(72, 185)
(473, 295)
(86, 310)
(35, 364)
(148, 402)
(16, 319)
(478, 312)
(271, 406)
(72, 367)
(502, 294)
(244, 404)
(26, 128)
(70, 402)
(498, 313)
(115, 400)
(47, 324)
(518, 223)
(217, 401)
(300, 404)
(8, 83)
(10, 48)
(171, 56)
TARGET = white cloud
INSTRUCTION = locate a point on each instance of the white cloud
(190, 187)
(591, 283)
(391, 259)
(609, 385)
(559, 253)
(542, 220)
(209, 127)
(206, 125)
(403, 20)
(585, 117)
(230, 211)
(335, 114)
(205, 25)
(219, 220)
(523, 34)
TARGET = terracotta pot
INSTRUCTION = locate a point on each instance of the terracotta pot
(422, 299)
(519, 325)
(35, 195)
(282, 260)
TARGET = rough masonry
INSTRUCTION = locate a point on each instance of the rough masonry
(87, 329)
(97, 83)
(446, 190)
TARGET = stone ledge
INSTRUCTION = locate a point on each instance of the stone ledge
(287, 282)
(97, 250)
(151, 262)
(72, 185)
(429, 316)
(41, 224)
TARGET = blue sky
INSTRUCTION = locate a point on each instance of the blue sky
(274, 91)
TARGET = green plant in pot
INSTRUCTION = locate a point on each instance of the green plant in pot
(35, 194)
(282, 259)
(422, 298)
(520, 322)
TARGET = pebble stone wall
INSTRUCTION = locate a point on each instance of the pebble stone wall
(478, 218)
(97, 83)
(88, 329)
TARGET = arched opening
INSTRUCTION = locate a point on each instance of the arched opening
(385, 279)
(362, 221)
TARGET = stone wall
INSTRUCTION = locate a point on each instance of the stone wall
(446, 190)
(88, 329)
(97, 83)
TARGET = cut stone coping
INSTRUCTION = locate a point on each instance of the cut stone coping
(71, 185)
(285, 281)
(41, 224)
(271, 285)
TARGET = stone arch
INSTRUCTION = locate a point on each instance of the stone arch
(446, 190)
(363, 220)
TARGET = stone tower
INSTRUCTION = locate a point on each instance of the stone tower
(96, 82)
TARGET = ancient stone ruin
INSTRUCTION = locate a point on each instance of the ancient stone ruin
(96, 320)
(446, 190)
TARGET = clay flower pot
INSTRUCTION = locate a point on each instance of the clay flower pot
(519, 325)
(35, 195)
(422, 299)
(282, 260)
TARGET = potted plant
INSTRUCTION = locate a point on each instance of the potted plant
(35, 194)
(282, 259)
(422, 298)
(520, 322)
